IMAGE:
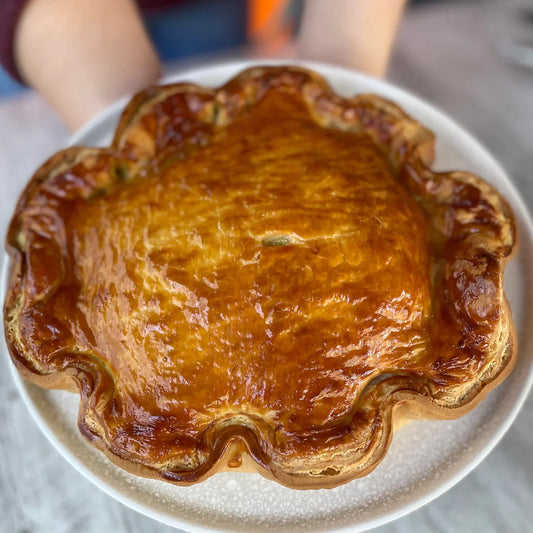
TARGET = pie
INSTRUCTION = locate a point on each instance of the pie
(262, 277)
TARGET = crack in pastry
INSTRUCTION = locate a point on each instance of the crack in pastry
(262, 277)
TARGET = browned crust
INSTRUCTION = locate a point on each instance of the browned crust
(144, 136)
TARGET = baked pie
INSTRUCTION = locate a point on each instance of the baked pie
(261, 277)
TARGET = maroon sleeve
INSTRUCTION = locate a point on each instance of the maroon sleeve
(10, 11)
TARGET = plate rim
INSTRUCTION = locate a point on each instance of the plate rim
(398, 93)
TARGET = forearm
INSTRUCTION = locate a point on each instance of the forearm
(84, 54)
(355, 33)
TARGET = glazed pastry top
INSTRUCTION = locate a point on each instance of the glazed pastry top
(266, 261)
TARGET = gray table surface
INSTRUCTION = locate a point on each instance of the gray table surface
(446, 53)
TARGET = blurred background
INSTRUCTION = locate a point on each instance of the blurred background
(471, 58)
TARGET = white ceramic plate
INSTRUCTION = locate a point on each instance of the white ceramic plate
(426, 457)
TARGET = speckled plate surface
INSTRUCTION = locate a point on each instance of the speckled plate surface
(426, 457)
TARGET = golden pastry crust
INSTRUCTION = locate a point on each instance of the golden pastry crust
(265, 277)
